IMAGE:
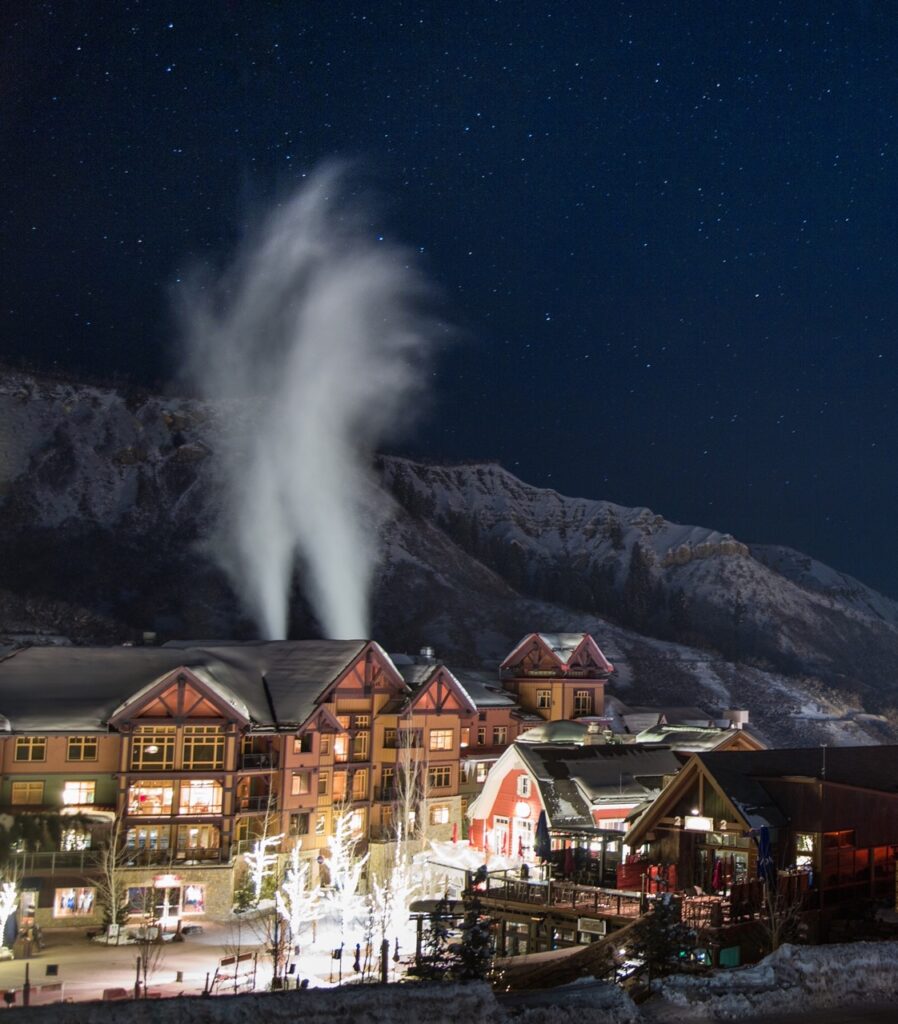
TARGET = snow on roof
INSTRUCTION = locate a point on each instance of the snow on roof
(79, 688)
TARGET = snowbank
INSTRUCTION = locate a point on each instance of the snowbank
(793, 979)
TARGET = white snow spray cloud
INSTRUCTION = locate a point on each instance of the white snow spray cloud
(322, 325)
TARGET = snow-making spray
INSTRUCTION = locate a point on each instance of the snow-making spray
(313, 344)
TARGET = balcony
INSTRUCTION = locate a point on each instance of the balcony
(386, 794)
(260, 761)
(53, 861)
(148, 858)
(256, 804)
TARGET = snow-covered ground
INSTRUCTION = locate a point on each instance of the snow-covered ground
(791, 980)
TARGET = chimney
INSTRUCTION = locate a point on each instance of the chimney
(737, 717)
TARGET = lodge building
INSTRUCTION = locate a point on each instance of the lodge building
(188, 751)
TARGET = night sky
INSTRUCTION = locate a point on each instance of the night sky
(666, 231)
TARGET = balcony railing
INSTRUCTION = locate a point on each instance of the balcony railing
(55, 860)
(258, 761)
(386, 794)
(249, 804)
(146, 858)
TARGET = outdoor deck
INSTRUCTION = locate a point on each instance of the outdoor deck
(506, 893)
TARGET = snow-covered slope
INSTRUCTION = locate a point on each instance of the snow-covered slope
(105, 499)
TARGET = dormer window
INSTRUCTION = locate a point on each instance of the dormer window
(524, 785)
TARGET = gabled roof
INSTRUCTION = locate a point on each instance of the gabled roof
(573, 780)
(562, 648)
(225, 701)
(79, 688)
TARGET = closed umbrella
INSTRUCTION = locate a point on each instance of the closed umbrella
(542, 845)
(454, 831)
(765, 855)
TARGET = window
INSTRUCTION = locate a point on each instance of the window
(147, 837)
(387, 783)
(73, 839)
(411, 738)
(439, 814)
(360, 745)
(523, 785)
(440, 739)
(439, 777)
(357, 821)
(198, 837)
(31, 748)
(341, 747)
(322, 783)
(465, 736)
(194, 899)
(73, 902)
(582, 702)
(481, 735)
(390, 739)
(543, 698)
(301, 783)
(28, 792)
(151, 798)
(153, 747)
(360, 785)
(200, 796)
(82, 748)
(203, 747)
(299, 824)
(325, 743)
(339, 793)
(320, 824)
(500, 735)
(303, 744)
(481, 770)
(362, 721)
(81, 792)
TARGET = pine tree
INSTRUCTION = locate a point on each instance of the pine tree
(659, 938)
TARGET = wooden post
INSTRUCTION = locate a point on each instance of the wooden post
(26, 988)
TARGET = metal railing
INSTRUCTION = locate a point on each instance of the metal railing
(584, 899)
(254, 761)
(257, 803)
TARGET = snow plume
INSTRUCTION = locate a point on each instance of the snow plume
(322, 324)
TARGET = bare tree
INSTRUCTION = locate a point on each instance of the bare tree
(110, 879)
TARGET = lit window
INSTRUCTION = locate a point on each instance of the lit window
(481, 771)
(339, 793)
(82, 748)
(73, 839)
(362, 721)
(28, 792)
(151, 798)
(303, 744)
(523, 785)
(357, 821)
(439, 814)
(202, 796)
(322, 783)
(500, 735)
(194, 899)
(360, 784)
(544, 698)
(320, 824)
(300, 783)
(198, 837)
(79, 792)
(465, 736)
(147, 837)
(439, 777)
(325, 743)
(31, 748)
(153, 747)
(440, 739)
(73, 902)
(481, 735)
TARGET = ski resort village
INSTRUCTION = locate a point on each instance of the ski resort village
(317, 813)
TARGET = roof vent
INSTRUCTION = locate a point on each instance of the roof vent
(428, 653)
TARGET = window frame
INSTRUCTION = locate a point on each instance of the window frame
(30, 745)
(31, 786)
(82, 742)
(441, 739)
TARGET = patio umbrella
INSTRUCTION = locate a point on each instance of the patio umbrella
(568, 861)
(542, 846)
(454, 831)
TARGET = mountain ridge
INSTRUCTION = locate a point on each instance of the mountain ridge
(105, 501)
